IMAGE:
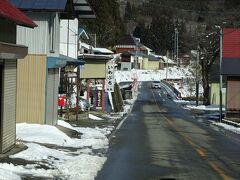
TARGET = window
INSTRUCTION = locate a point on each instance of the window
(52, 34)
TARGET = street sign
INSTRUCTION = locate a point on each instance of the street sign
(110, 81)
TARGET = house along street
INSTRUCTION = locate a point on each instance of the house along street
(160, 140)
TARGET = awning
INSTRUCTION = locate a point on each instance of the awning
(62, 60)
(9, 11)
(12, 51)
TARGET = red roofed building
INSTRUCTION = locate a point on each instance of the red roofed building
(10, 12)
(231, 69)
(10, 16)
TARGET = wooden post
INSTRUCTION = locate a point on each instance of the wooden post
(88, 89)
(78, 92)
(102, 98)
(96, 94)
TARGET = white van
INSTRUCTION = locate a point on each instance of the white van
(156, 84)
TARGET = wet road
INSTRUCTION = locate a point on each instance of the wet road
(160, 140)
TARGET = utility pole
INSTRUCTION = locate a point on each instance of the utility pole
(136, 53)
(78, 82)
(95, 40)
(197, 79)
(167, 66)
(174, 49)
(220, 76)
(177, 47)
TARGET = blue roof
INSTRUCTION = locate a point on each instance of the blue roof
(49, 5)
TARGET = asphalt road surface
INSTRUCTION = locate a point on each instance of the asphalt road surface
(160, 140)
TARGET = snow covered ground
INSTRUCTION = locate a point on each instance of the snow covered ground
(82, 163)
(51, 154)
(183, 74)
(150, 75)
(234, 127)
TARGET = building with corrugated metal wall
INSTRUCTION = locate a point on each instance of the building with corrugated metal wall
(230, 69)
(38, 75)
(9, 52)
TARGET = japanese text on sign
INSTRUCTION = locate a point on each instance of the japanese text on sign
(109, 85)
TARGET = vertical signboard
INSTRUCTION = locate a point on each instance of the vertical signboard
(110, 81)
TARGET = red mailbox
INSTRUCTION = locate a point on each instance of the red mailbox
(61, 101)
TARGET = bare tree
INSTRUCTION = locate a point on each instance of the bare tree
(209, 51)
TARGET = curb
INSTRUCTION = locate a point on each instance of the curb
(231, 123)
(120, 124)
(225, 132)
(117, 128)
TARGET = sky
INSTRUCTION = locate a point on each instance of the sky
(75, 158)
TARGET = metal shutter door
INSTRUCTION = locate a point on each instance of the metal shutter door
(55, 103)
(8, 127)
(50, 97)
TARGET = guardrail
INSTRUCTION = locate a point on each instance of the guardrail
(178, 94)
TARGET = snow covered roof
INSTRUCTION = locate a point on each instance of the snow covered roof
(85, 45)
(102, 51)
(167, 60)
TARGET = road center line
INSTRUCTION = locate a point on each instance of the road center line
(199, 151)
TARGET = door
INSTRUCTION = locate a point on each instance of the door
(52, 95)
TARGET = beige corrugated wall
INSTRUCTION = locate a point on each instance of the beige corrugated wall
(31, 78)
(153, 65)
(94, 69)
(145, 63)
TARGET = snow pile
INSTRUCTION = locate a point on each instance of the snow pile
(93, 117)
(58, 159)
(228, 127)
(205, 108)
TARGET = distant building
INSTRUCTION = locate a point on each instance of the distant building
(230, 70)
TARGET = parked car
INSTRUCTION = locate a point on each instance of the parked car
(84, 104)
(156, 84)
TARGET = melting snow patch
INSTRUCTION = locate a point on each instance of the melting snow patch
(91, 116)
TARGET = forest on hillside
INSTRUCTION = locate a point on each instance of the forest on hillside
(155, 21)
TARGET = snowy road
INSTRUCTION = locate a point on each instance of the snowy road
(160, 140)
